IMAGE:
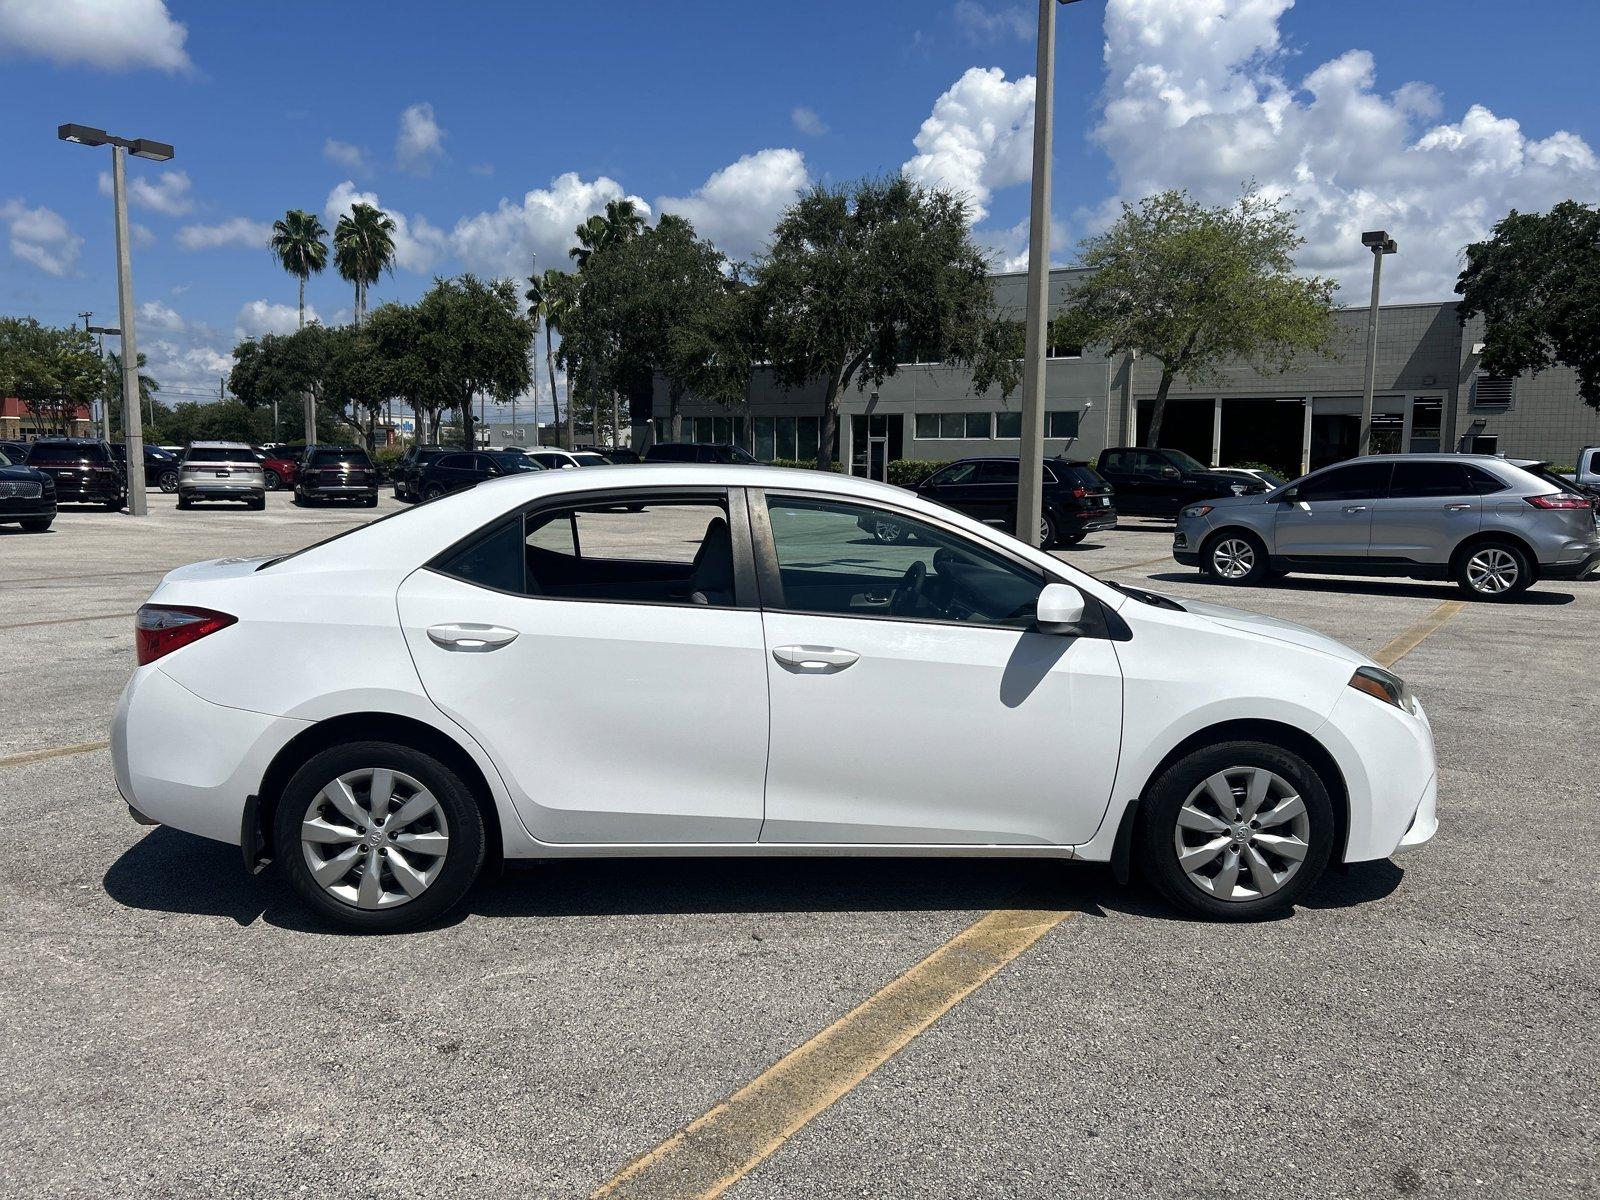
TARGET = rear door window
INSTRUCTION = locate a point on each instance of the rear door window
(1414, 480)
(998, 472)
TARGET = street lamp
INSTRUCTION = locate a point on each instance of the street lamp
(132, 425)
(1030, 468)
(1380, 243)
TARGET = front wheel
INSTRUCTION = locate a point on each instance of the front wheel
(377, 837)
(1495, 570)
(433, 491)
(1235, 558)
(1236, 831)
(36, 524)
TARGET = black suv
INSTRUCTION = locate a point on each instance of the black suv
(455, 470)
(1076, 501)
(27, 495)
(334, 472)
(160, 466)
(1160, 482)
(83, 470)
(407, 468)
(697, 452)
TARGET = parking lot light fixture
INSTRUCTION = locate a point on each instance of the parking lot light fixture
(132, 425)
(1380, 243)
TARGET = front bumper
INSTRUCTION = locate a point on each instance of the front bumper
(20, 508)
(1386, 758)
(185, 762)
(1426, 821)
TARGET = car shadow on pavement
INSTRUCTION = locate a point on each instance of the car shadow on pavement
(1358, 587)
(172, 872)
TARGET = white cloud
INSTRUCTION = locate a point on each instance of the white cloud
(504, 242)
(807, 122)
(346, 155)
(185, 369)
(418, 245)
(42, 237)
(142, 235)
(155, 315)
(1199, 95)
(236, 231)
(982, 24)
(979, 137)
(113, 35)
(737, 206)
(167, 194)
(1008, 247)
(420, 140)
(484, 169)
(262, 316)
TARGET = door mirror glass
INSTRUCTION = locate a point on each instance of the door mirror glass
(1169, 472)
(1290, 496)
(1060, 609)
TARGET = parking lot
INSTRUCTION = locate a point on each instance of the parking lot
(174, 1026)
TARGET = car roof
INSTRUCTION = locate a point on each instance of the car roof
(223, 445)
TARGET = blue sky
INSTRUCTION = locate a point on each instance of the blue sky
(491, 129)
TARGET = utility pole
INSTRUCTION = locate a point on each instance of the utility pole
(105, 404)
(1030, 467)
(1380, 243)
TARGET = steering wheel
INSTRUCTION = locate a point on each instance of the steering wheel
(908, 593)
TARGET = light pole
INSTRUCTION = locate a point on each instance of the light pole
(105, 401)
(132, 422)
(1030, 468)
(1380, 243)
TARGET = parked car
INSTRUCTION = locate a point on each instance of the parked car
(15, 451)
(552, 458)
(1252, 474)
(160, 466)
(1076, 501)
(405, 470)
(1493, 525)
(221, 471)
(617, 455)
(27, 495)
(454, 470)
(429, 668)
(83, 469)
(1160, 482)
(279, 467)
(336, 472)
(698, 452)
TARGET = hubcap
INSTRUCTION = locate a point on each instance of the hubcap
(888, 531)
(1492, 570)
(1233, 558)
(1242, 834)
(374, 838)
(1044, 532)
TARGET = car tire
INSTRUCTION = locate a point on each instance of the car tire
(273, 481)
(1266, 859)
(888, 530)
(36, 524)
(184, 501)
(386, 887)
(1069, 539)
(433, 491)
(259, 503)
(1494, 570)
(1047, 531)
(113, 505)
(372, 501)
(1235, 557)
(300, 498)
(167, 481)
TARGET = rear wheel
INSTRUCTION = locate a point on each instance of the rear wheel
(377, 837)
(888, 529)
(114, 505)
(184, 501)
(1069, 539)
(167, 481)
(433, 492)
(372, 501)
(258, 503)
(1234, 557)
(273, 481)
(1047, 531)
(300, 498)
(1496, 570)
(1236, 831)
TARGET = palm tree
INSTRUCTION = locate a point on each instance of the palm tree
(363, 249)
(552, 296)
(620, 221)
(148, 388)
(297, 243)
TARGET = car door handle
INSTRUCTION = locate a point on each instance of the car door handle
(1458, 508)
(471, 637)
(819, 660)
(1355, 508)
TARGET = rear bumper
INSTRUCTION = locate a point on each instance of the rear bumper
(185, 762)
(91, 492)
(1187, 558)
(222, 491)
(1573, 570)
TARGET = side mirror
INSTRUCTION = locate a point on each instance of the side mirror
(1060, 610)
(1292, 496)
(1169, 472)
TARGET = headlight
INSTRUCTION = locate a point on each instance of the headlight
(1195, 510)
(1383, 685)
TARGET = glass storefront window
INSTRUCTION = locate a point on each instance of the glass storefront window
(1008, 425)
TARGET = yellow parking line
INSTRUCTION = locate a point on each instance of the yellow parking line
(1409, 639)
(719, 1148)
(33, 756)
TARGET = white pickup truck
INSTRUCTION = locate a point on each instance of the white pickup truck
(1588, 470)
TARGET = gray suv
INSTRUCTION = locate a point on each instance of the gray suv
(221, 471)
(1493, 525)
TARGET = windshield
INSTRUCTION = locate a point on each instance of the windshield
(1187, 462)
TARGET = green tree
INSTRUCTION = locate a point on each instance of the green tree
(53, 371)
(472, 337)
(1536, 283)
(1198, 287)
(550, 297)
(298, 243)
(363, 249)
(620, 221)
(280, 368)
(855, 273)
(397, 334)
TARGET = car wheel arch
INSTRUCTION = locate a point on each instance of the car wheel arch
(1473, 540)
(1286, 737)
(370, 727)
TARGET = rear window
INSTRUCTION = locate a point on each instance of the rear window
(1078, 475)
(65, 452)
(670, 453)
(356, 458)
(218, 454)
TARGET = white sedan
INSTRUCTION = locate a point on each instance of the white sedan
(714, 660)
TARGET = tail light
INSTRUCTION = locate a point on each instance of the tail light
(1078, 493)
(159, 629)
(1558, 500)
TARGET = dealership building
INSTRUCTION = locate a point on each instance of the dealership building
(1429, 395)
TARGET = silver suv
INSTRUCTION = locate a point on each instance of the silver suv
(1493, 525)
(221, 471)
